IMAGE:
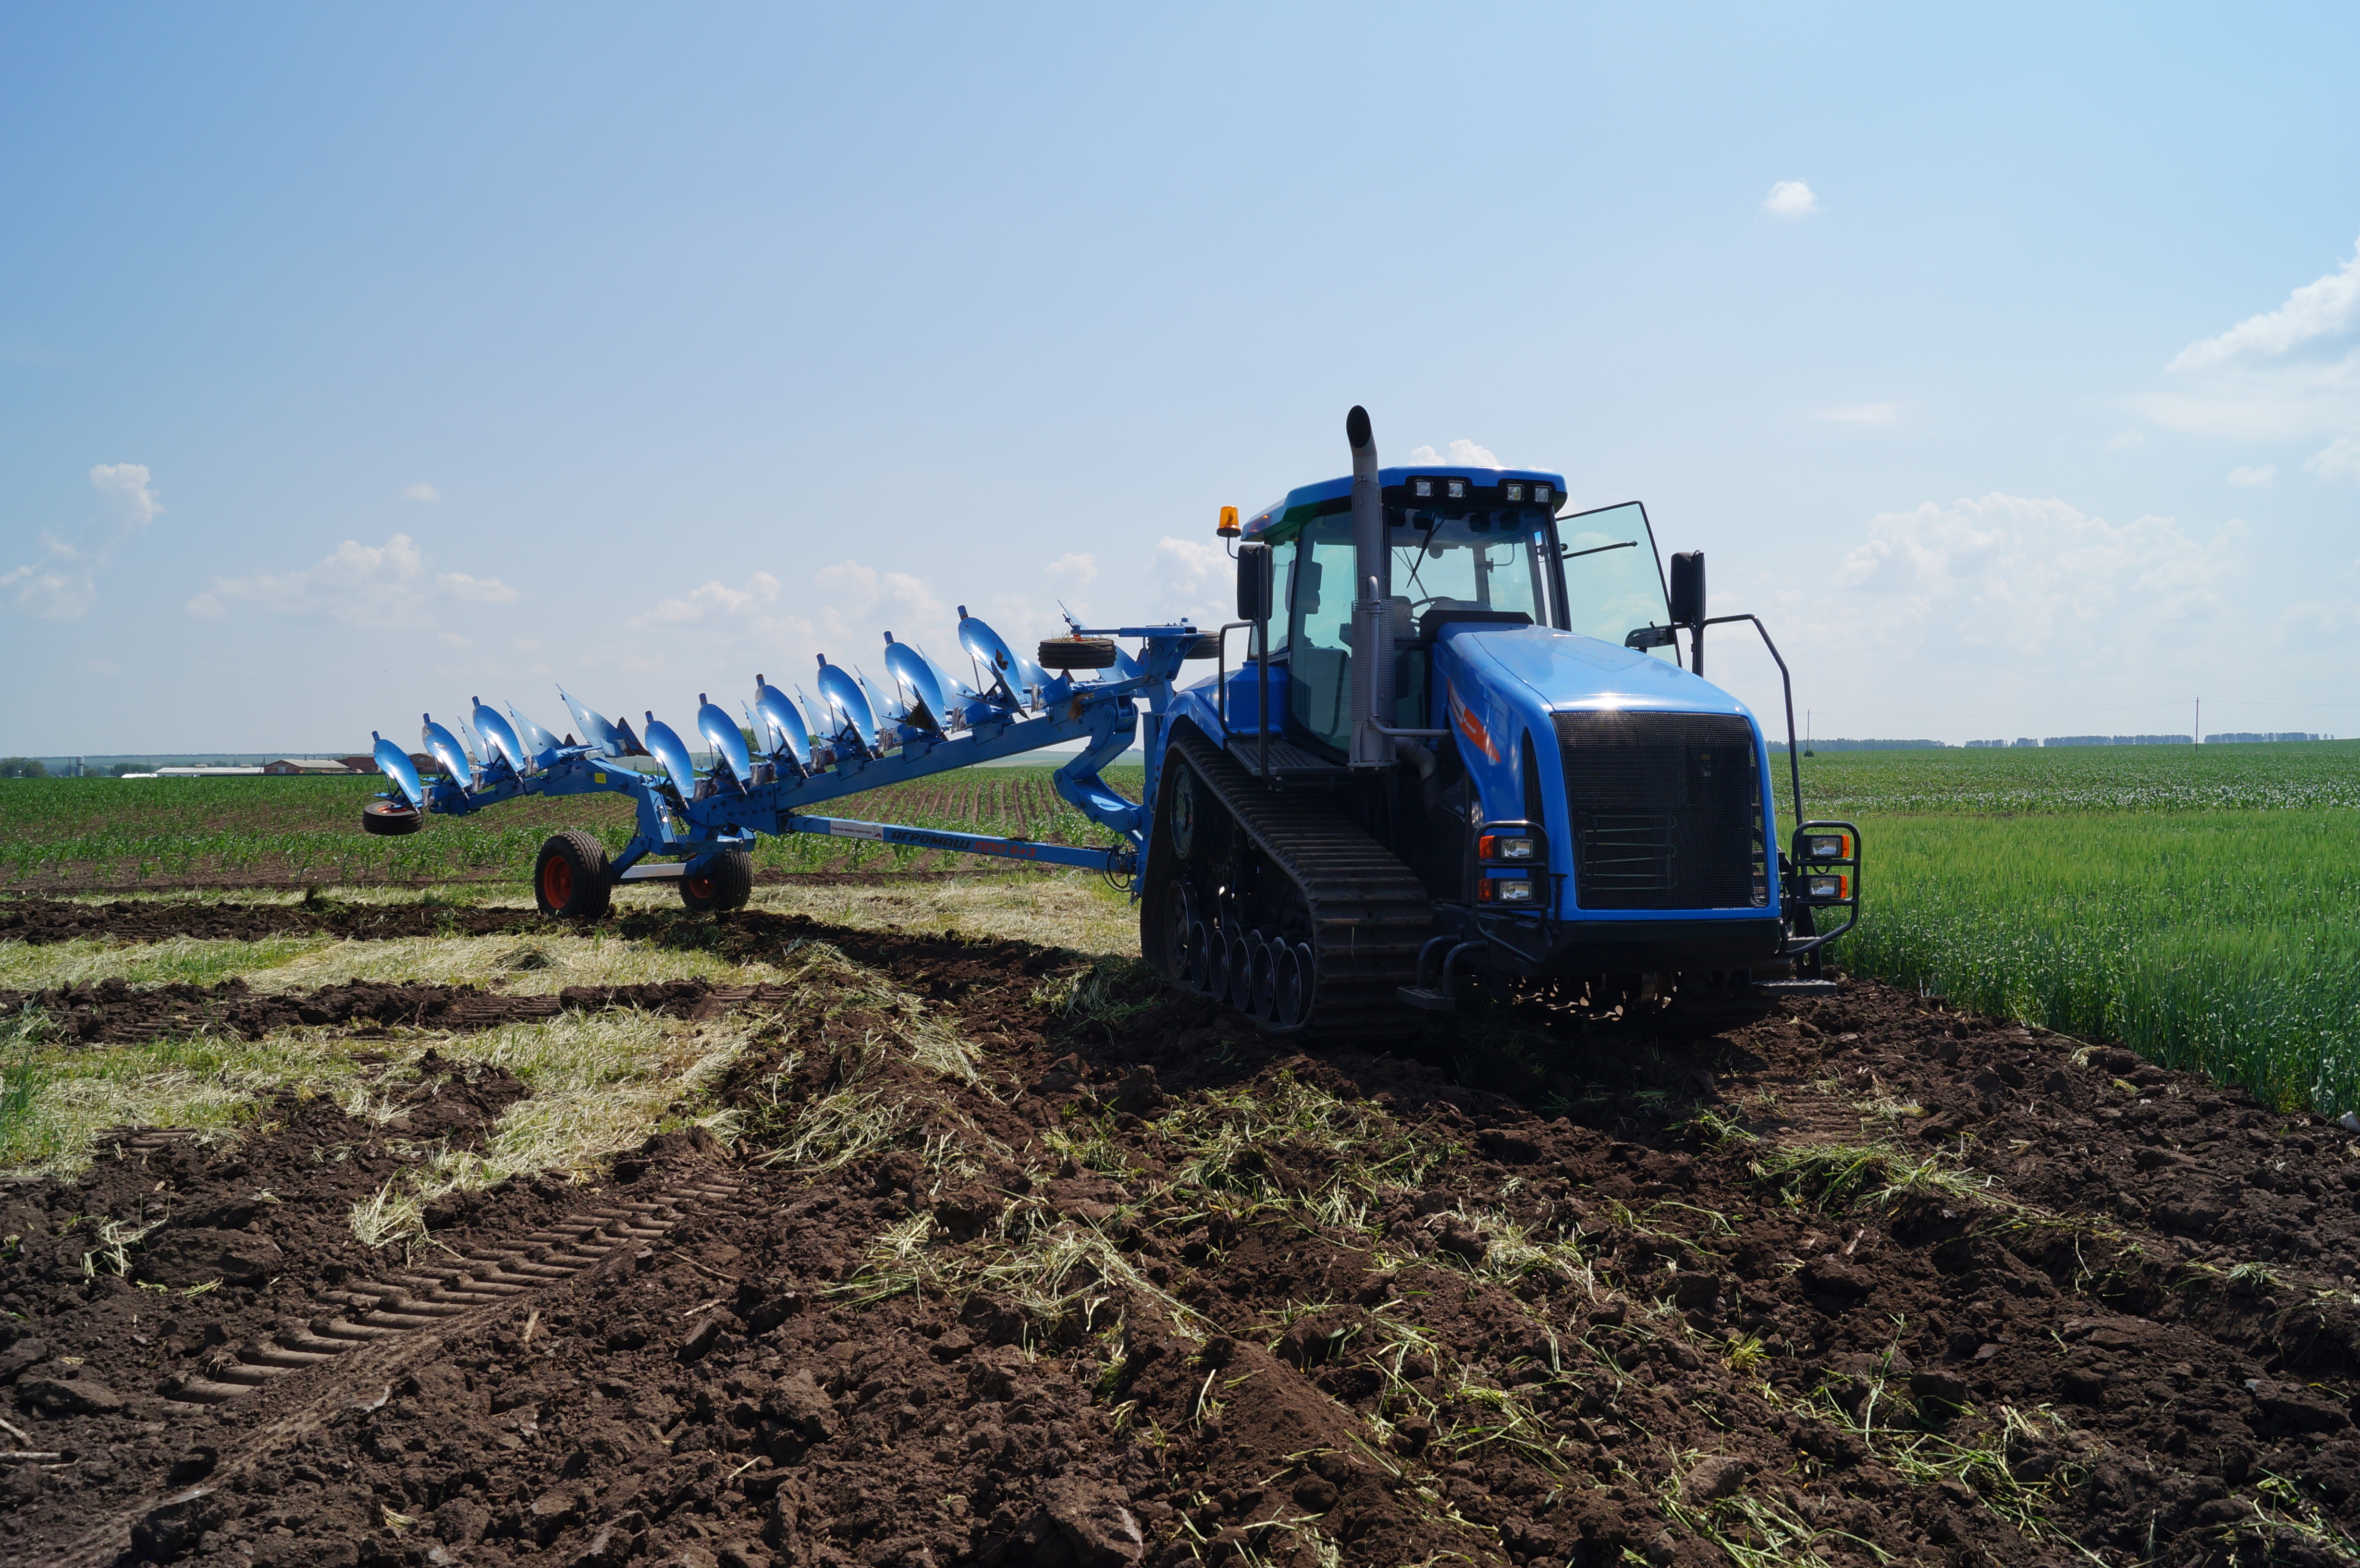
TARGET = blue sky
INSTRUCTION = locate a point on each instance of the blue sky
(352, 364)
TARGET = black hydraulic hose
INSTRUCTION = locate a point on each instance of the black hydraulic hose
(1793, 757)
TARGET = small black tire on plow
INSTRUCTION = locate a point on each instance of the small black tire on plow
(1077, 653)
(391, 819)
(723, 882)
(569, 879)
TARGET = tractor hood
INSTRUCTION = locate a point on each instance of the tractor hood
(1512, 698)
(1565, 670)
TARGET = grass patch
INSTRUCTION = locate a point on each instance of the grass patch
(26, 967)
(1837, 1176)
(517, 966)
(1069, 909)
(601, 1082)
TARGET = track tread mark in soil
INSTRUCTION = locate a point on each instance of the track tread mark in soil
(397, 1302)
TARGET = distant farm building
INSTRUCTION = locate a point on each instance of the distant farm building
(282, 768)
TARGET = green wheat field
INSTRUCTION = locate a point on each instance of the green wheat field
(2201, 905)
(74, 834)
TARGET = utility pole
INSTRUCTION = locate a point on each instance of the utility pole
(2200, 721)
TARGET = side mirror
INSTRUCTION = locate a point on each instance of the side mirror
(1306, 574)
(1254, 583)
(1687, 588)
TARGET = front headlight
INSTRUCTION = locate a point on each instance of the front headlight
(1833, 889)
(1827, 846)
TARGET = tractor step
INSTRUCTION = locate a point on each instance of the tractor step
(1794, 987)
(1285, 761)
(1427, 997)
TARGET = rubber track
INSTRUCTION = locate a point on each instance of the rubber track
(1370, 913)
(400, 1300)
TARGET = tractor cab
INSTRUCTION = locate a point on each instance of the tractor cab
(1482, 547)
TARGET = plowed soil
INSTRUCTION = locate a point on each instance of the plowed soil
(41, 921)
(1868, 1282)
(111, 1012)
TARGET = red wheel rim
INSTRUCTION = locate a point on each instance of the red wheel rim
(700, 887)
(557, 881)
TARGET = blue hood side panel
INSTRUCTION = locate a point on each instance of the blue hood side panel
(1500, 686)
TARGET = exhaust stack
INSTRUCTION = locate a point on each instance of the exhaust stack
(1372, 642)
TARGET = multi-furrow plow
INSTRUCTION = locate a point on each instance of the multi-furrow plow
(1463, 741)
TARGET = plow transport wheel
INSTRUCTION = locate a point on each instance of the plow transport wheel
(570, 878)
(390, 818)
(723, 882)
(1077, 653)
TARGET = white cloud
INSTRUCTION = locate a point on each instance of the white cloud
(2339, 461)
(127, 484)
(2326, 308)
(754, 625)
(712, 601)
(1878, 414)
(855, 593)
(2018, 580)
(1461, 454)
(421, 492)
(1078, 571)
(1193, 580)
(2288, 375)
(63, 583)
(2253, 478)
(1791, 200)
(2126, 440)
(379, 586)
(475, 589)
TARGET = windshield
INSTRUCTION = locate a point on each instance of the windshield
(1492, 559)
(1613, 583)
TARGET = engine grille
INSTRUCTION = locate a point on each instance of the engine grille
(1667, 810)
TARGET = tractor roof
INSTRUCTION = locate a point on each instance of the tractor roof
(1484, 487)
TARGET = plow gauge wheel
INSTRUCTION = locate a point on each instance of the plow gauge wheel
(723, 882)
(390, 818)
(570, 878)
(1077, 653)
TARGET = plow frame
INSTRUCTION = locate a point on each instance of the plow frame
(728, 814)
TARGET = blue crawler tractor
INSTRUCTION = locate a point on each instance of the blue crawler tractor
(1460, 745)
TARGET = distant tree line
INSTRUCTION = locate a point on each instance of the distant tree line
(1866, 745)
